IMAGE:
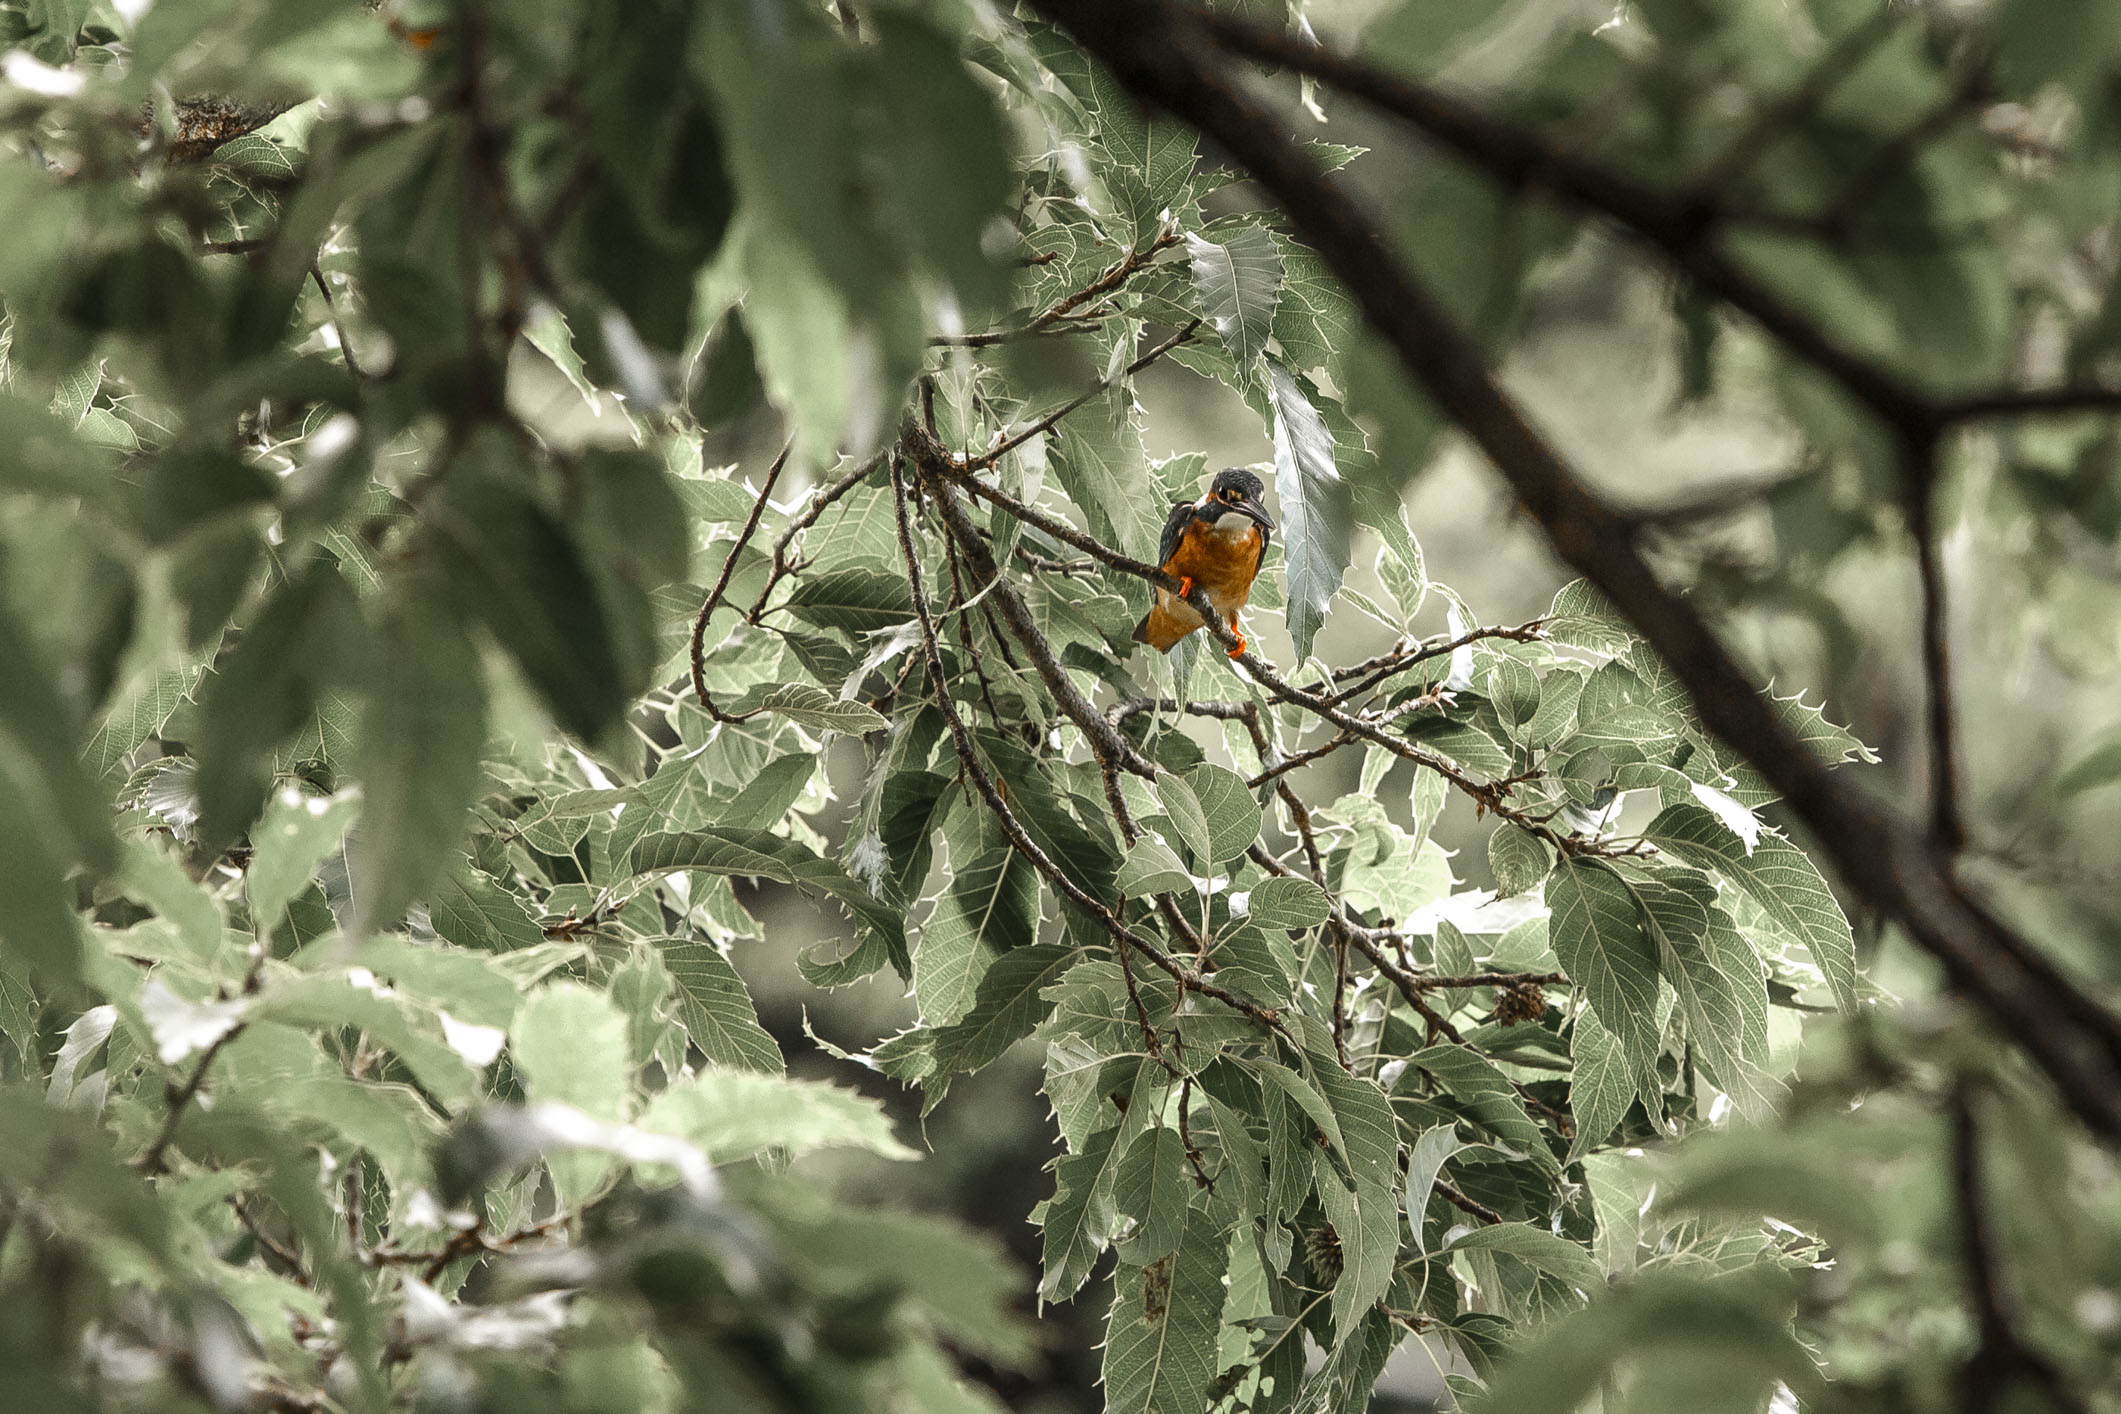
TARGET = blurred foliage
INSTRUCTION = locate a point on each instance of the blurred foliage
(405, 722)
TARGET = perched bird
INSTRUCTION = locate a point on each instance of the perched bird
(1217, 543)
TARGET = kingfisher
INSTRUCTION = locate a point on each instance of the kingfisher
(1218, 543)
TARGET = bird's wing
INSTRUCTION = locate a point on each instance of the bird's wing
(1174, 527)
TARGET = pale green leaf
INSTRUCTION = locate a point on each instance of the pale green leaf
(1597, 933)
(1317, 519)
(1160, 1340)
(295, 834)
(1777, 876)
(812, 706)
(421, 737)
(1601, 1086)
(736, 1114)
(1151, 868)
(1152, 1187)
(715, 1008)
(1238, 282)
(1228, 808)
(1535, 1247)
(1079, 1218)
(1288, 903)
(1520, 860)
(569, 1044)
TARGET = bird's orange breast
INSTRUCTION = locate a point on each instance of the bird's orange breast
(1221, 564)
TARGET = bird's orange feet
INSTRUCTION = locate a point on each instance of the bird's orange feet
(1240, 648)
(1185, 586)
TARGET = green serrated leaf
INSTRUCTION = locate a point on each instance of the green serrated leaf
(1535, 1248)
(757, 854)
(1160, 1340)
(1317, 518)
(1231, 813)
(1079, 1217)
(1288, 903)
(1151, 868)
(1597, 932)
(814, 707)
(1777, 876)
(738, 1114)
(1520, 860)
(266, 689)
(569, 1045)
(421, 738)
(511, 563)
(1238, 282)
(715, 1008)
(1152, 1187)
(296, 833)
(1006, 1008)
(1601, 1086)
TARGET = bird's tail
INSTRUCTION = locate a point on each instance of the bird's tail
(1166, 623)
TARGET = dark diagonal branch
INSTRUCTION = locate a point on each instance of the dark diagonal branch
(1169, 58)
(1680, 226)
(1947, 820)
(2002, 1360)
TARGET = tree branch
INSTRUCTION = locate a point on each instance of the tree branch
(1947, 820)
(1045, 424)
(820, 502)
(721, 583)
(1110, 746)
(2002, 1359)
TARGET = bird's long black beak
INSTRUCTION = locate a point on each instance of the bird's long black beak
(1255, 510)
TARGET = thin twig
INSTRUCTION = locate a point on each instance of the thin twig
(934, 464)
(1373, 672)
(1490, 796)
(1045, 424)
(1430, 983)
(154, 1158)
(1451, 1194)
(721, 583)
(820, 502)
(338, 328)
(1118, 274)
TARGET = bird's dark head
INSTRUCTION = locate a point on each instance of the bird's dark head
(1239, 490)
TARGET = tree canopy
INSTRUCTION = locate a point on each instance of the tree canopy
(422, 692)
